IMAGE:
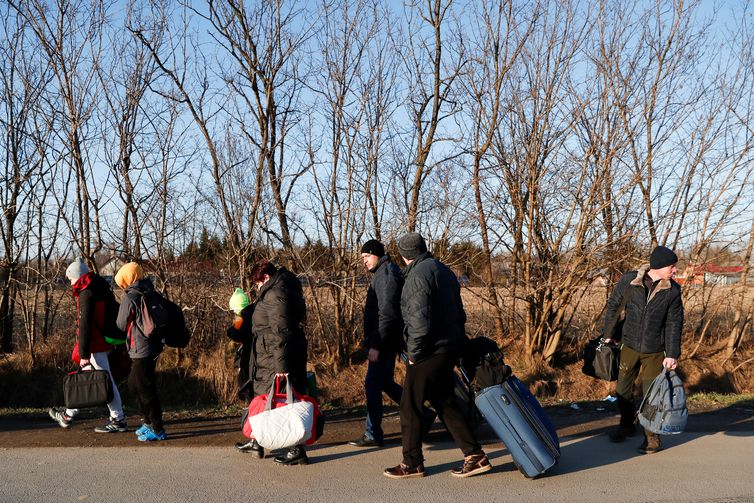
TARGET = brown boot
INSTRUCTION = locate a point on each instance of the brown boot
(651, 443)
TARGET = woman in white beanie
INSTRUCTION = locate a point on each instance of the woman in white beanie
(93, 298)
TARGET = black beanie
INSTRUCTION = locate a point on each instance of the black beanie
(373, 247)
(662, 257)
(411, 245)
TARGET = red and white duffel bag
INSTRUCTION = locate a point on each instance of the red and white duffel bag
(282, 419)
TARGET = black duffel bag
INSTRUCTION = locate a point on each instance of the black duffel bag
(601, 359)
(87, 388)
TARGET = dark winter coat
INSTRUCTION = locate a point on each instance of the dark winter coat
(242, 335)
(279, 340)
(432, 309)
(383, 324)
(129, 320)
(653, 322)
(92, 294)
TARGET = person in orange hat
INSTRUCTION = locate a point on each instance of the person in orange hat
(143, 350)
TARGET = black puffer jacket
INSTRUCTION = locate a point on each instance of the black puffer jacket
(242, 335)
(279, 340)
(652, 324)
(432, 309)
(383, 324)
(129, 320)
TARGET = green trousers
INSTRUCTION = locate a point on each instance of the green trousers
(632, 365)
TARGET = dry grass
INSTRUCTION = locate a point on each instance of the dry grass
(203, 374)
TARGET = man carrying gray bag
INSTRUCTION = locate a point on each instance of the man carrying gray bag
(651, 335)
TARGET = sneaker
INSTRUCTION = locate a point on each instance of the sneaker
(58, 414)
(365, 441)
(149, 435)
(403, 471)
(142, 429)
(622, 432)
(473, 464)
(112, 426)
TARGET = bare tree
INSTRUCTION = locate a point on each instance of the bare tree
(434, 58)
(655, 71)
(180, 89)
(264, 43)
(22, 81)
(552, 200)
(125, 74)
(69, 34)
(347, 32)
(497, 41)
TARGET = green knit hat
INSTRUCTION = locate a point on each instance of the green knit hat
(238, 301)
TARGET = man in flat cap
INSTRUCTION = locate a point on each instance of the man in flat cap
(434, 319)
(650, 337)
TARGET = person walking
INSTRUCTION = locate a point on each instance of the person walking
(239, 332)
(279, 344)
(434, 320)
(92, 295)
(383, 333)
(143, 350)
(651, 335)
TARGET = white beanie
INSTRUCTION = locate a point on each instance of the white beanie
(77, 269)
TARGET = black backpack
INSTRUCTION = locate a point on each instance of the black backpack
(163, 319)
(483, 362)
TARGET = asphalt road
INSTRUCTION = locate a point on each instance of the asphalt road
(711, 462)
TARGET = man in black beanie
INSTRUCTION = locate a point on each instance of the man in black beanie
(651, 334)
(434, 317)
(383, 329)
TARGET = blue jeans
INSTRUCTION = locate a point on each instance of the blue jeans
(379, 379)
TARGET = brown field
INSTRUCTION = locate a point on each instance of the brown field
(203, 374)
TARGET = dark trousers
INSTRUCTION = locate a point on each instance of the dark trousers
(432, 379)
(632, 365)
(379, 379)
(241, 364)
(142, 382)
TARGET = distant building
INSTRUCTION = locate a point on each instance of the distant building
(710, 274)
(111, 266)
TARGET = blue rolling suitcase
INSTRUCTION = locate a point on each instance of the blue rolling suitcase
(521, 423)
